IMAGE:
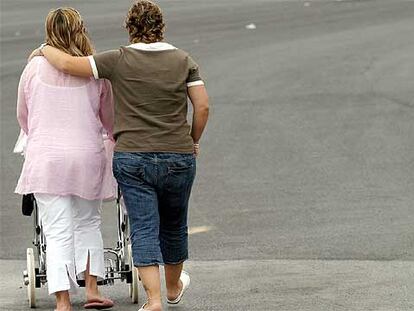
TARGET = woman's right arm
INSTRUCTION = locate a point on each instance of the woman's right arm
(76, 66)
(100, 66)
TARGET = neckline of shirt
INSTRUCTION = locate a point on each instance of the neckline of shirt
(156, 46)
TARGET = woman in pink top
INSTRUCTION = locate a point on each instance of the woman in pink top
(65, 165)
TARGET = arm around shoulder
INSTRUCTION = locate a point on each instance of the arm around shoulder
(77, 66)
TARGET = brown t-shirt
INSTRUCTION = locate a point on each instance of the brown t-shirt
(149, 83)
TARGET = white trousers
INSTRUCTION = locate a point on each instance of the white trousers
(72, 227)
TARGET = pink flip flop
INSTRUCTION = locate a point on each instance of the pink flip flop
(102, 304)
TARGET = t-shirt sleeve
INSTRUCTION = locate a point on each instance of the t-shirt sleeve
(194, 77)
(103, 64)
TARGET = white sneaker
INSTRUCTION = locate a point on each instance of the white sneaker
(185, 279)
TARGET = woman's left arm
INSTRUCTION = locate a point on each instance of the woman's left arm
(76, 66)
(22, 111)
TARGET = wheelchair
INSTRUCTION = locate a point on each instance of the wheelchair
(119, 263)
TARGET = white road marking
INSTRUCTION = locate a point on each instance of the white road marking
(251, 26)
(201, 229)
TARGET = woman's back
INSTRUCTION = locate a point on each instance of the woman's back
(63, 110)
(64, 118)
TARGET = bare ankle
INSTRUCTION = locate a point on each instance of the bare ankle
(92, 292)
(174, 291)
(154, 306)
(63, 307)
(63, 301)
(91, 285)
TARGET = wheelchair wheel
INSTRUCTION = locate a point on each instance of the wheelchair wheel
(133, 286)
(31, 274)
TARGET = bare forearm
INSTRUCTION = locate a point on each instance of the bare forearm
(77, 66)
(200, 118)
(199, 99)
(56, 58)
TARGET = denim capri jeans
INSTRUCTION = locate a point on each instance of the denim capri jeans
(156, 188)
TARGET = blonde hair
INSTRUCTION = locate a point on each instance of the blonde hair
(145, 22)
(65, 31)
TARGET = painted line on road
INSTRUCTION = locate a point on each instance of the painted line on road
(200, 229)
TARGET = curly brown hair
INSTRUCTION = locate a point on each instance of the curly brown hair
(144, 22)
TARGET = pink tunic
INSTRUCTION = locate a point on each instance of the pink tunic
(64, 118)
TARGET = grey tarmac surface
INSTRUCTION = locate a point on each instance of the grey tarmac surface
(308, 156)
(282, 285)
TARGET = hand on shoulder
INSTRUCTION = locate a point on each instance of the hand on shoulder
(36, 52)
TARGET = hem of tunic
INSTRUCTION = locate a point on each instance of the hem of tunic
(20, 191)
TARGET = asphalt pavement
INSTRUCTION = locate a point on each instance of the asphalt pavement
(303, 199)
(247, 285)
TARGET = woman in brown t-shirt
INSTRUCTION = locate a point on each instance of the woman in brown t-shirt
(154, 160)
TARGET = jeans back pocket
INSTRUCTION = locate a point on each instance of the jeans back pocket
(128, 171)
(180, 175)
